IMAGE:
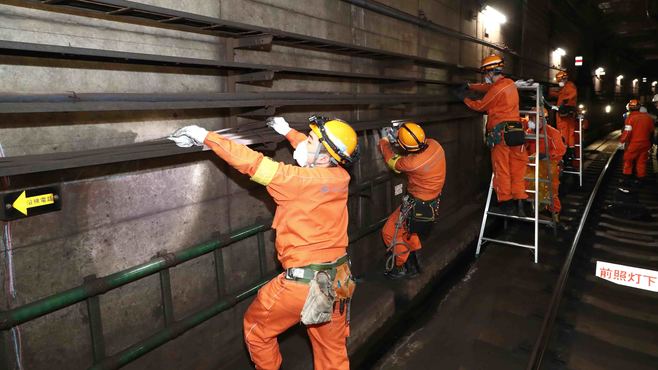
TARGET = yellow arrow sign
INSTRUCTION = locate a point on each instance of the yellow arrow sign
(23, 203)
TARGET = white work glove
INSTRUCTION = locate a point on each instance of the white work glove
(523, 83)
(189, 135)
(555, 108)
(279, 125)
(531, 125)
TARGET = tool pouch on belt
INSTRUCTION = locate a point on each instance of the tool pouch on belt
(423, 214)
(319, 301)
(344, 285)
(514, 134)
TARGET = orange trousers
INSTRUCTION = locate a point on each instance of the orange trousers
(509, 166)
(555, 183)
(636, 156)
(405, 242)
(567, 127)
(277, 307)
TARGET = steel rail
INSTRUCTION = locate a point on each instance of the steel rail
(28, 164)
(34, 50)
(30, 311)
(105, 102)
(154, 16)
(543, 340)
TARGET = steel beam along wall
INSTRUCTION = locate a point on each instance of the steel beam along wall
(120, 215)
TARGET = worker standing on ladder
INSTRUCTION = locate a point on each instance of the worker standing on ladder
(556, 149)
(637, 138)
(566, 95)
(423, 161)
(311, 238)
(505, 134)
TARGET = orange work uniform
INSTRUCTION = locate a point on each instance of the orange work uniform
(501, 102)
(637, 135)
(556, 150)
(567, 95)
(426, 173)
(311, 227)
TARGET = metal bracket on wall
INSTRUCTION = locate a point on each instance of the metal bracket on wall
(262, 42)
(261, 78)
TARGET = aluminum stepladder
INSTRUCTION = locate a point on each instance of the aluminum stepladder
(579, 146)
(539, 115)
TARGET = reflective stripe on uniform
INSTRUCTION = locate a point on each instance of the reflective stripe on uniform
(391, 162)
(628, 128)
(265, 172)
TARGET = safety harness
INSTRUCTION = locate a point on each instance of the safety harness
(413, 213)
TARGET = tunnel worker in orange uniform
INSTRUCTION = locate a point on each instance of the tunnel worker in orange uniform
(423, 161)
(311, 221)
(637, 138)
(567, 96)
(505, 134)
(556, 149)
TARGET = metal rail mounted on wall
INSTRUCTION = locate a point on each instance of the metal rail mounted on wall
(93, 287)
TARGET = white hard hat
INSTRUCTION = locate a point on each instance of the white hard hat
(655, 99)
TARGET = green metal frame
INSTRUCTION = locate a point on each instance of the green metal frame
(92, 287)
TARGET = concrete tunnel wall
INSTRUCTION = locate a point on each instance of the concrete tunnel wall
(118, 216)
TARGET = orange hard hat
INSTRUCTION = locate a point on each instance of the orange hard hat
(411, 137)
(633, 104)
(493, 63)
(561, 76)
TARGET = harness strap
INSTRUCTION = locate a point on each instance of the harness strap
(306, 273)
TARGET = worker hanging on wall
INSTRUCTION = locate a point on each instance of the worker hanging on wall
(566, 117)
(637, 139)
(423, 161)
(556, 150)
(505, 134)
(311, 221)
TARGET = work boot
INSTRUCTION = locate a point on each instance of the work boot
(507, 207)
(398, 272)
(568, 159)
(413, 264)
(525, 208)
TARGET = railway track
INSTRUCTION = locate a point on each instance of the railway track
(496, 316)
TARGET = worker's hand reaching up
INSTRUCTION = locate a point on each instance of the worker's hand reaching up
(189, 135)
(279, 125)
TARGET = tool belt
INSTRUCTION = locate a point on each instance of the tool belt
(422, 214)
(567, 111)
(510, 132)
(329, 284)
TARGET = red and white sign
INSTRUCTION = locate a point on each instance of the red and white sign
(579, 61)
(634, 277)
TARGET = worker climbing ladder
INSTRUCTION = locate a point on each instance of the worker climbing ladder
(539, 115)
(578, 171)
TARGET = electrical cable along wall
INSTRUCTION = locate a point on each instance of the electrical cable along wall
(91, 87)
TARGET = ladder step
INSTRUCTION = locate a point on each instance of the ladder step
(533, 179)
(572, 172)
(530, 191)
(577, 131)
(519, 218)
(508, 243)
(577, 145)
(533, 137)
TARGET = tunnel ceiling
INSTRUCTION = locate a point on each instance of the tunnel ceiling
(634, 23)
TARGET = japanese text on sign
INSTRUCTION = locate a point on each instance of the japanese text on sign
(629, 276)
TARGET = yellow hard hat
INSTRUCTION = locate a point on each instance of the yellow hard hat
(411, 137)
(561, 76)
(338, 137)
(493, 63)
